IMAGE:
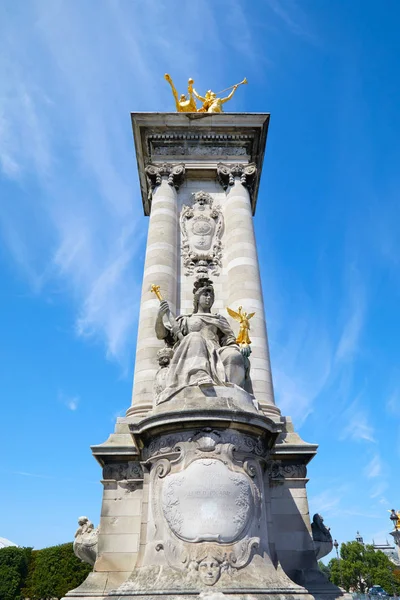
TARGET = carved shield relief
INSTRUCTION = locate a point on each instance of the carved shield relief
(207, 502)
(201, 230)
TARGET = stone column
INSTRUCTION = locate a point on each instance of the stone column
(161, 266)
(244, 283)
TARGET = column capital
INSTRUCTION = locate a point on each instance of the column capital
(175, 174)
(247, 173)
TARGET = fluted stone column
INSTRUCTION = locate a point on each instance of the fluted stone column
(161, 264)
(244, 283)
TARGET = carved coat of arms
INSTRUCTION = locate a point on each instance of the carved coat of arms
(201, 228)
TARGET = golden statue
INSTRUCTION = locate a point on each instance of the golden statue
(183, 104)
(213, 104)
(243, 317)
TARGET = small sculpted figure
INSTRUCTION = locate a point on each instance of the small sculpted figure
(243, 317)
(395, 518)
(182, 102)
(85, 542)
(211, 103)
(322, 537)
(164, 358)
(206, 352)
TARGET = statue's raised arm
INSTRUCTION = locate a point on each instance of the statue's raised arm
(183, 104)
(223, 100)
(166, 326)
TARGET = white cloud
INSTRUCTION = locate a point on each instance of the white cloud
(68, 84)
(357, 426)
(328, 501)
(71, 402)
(352, 329)
(374, 468)
(393, 403)
(301, 364)
(293, 18)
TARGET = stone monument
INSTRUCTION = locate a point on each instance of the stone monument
(204, 479)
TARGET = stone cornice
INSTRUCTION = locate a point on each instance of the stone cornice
(200, 141)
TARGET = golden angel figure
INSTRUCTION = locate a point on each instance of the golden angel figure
(243, 317)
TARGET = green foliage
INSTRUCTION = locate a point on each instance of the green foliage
(324, 568)
(361, 567)
(54, 571)
(13, 570)
(40, 574)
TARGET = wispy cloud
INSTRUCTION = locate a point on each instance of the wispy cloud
(71, 402)
(329, 500)
(293, 17)
(393, 403)
(65, 129)
(374, 467)
(302, 366)
(357, 427)
(355, 307)
(378, 489)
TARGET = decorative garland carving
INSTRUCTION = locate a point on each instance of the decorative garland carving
(206, 441)
(123, 471)
(282, 470)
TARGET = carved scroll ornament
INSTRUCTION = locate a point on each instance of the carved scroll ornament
(246, 173)
(202, 227)
(154, 173)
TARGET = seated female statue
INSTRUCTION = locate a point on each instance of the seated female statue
(205, 351)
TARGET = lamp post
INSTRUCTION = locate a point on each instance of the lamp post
(336, 546)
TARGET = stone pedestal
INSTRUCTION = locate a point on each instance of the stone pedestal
(396, 537)
(205, 482)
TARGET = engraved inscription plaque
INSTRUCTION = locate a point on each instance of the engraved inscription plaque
(207, 502)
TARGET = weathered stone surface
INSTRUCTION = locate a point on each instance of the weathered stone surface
(204, 481)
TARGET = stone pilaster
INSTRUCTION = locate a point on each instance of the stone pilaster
(161, 268)
(244, 283)
(291, 520)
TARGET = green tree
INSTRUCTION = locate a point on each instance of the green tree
(325, 569)
(13, 570)
(53, 572)
(361, 566)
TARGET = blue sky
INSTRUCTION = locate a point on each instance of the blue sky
(73, 234)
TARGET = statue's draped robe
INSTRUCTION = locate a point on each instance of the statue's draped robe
(207, 355)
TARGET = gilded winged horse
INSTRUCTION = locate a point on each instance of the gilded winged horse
(243, 318)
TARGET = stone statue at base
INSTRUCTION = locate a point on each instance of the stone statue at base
(322, 537)
(164, 358)
(85, 542)
(206, 352)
